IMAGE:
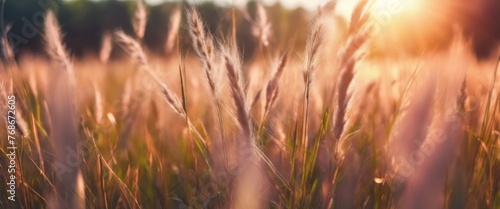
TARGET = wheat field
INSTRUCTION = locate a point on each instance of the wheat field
(316, 119)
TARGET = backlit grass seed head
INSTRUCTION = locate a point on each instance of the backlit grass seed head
(349, 56)
(203, 45)
(273, 84)
(54, 45)
(131, 46)
(261, 28)
(197, 33)
(313, 47)
(134, 49)
(233, 68)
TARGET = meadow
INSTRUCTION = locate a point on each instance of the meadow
(332, 116)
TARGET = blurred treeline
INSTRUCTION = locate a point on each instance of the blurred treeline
(84, 22)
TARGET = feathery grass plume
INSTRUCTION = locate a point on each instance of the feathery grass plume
(106, 47)
(359, 16)
(203, 46)
(140, 19)
(348, 61)
(272, 87)
(261, 27)
(54, 45)
(233, 68)
(251, 180)
(173, 29)
(313, 49)
(133, 48)
(20, 125)
(70, 189)
(7, 51)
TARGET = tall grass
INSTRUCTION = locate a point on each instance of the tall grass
(149, 131)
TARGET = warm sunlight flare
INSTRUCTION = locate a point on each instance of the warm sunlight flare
(399, 6)
(409, 26)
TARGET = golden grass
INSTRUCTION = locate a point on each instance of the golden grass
(326, 127)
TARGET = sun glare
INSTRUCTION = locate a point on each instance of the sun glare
(398, 6)
(412, 25)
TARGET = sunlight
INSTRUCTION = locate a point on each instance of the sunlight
(399, 6)
(408, 25)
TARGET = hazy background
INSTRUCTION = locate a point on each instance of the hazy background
(84, 21)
